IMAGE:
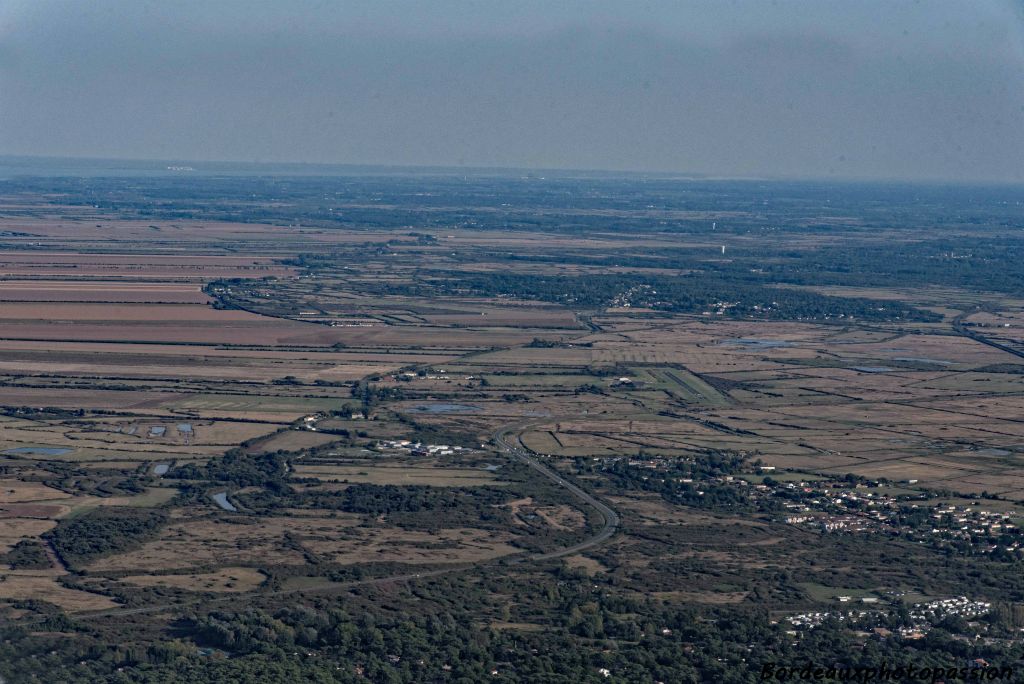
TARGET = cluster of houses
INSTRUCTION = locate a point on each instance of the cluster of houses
(630, 297)
(812, 620)
(879, 507)
(937, 611)
(858, 510)
(923, 616)
(429, 374)
(962, 522)
(418, 448)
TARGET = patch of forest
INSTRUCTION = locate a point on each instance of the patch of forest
(104, 531)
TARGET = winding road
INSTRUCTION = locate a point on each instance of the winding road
(610, 517)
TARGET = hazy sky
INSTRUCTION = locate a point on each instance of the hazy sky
(850, 88)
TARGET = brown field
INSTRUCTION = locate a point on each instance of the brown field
(437, 477)
(212, 543)
(86, 291)
(21, 518)
(244, 328)
(223, 581)
(534, 317)
(150, 369)
(43, 586)
(152, 497)
(590, 566)
(123, 314)
(408, 546)
(205, 354)
(12, 530)
(18, 491)
(559, 517)
(807, 398)
(127, 440)
(31, 510)
(73, 266)
(82, 398)
(296, 440)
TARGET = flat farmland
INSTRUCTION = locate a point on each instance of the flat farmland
(121, 314)
(93, 399)
(539, 357)
(295, 440)
(194, 367)
(18, 491)
(475, 313)
(14, 529)
(153, 497)
(203, 326)
(546, 381)
(207, 543)
(144, 438)
(140, 323)
(456, 545)
(44, 586)
(273, 407)
(165, 361)
(831, 399)
(405, 475)
(224, 580)
(172, 267)
(93, 291)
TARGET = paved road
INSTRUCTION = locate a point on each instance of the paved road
(611, 518)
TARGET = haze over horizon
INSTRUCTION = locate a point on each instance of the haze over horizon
(795, 88)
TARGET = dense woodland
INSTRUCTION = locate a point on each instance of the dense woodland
(695, 293)
(103, 531)
(634, 639)
(568, 203)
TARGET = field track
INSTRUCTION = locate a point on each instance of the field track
(958, 325)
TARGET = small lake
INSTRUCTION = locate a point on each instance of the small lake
(756, 343)
(39, 451)
(441, 407)
(922, 359)
(992, 451)
(222, 501)
(873, 369)
(184, 427)
(161, 469)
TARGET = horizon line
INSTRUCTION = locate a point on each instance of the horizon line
(474, 169)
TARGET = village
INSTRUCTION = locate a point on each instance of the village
(418, 448)
(846, 504)
(969, 529)
(920, 619)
